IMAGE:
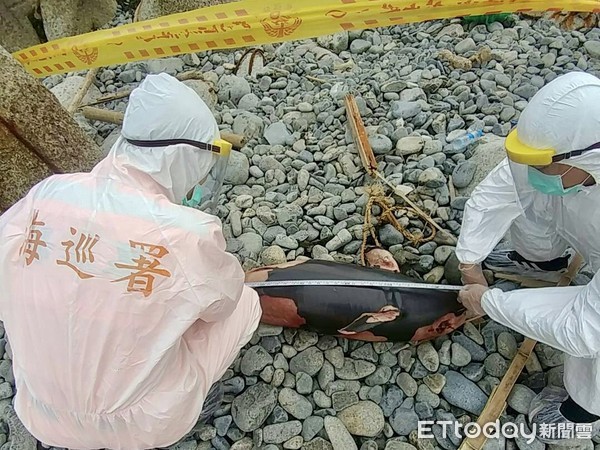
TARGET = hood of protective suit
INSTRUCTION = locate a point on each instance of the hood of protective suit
(565, 116)
(164, 108)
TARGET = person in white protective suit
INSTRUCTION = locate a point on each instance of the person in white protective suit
(545, 194)
(122, 306)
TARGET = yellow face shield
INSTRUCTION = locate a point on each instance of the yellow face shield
(224, 147)
(533, 170)
(520, 153)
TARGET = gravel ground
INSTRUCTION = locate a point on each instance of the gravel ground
(297, 189)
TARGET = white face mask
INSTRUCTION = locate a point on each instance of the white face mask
(552, 184)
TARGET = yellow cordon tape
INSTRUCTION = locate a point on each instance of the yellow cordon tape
(255, 22)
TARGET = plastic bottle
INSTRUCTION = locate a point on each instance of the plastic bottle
(466, 140)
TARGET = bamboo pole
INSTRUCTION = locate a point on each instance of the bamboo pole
(104, 115)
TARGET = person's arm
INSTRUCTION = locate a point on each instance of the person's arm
(220, 275)
(488, 214)
(566, 318)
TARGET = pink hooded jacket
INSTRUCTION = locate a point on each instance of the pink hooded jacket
(123, 308)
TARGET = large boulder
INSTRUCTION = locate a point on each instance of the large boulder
(150, 9)
(37, 136)
(66, 91)
(61, 18)
(17, 31)
(486, 156)
(64, 18)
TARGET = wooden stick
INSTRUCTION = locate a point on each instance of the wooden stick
(497, 401)
(87, 82)
(236, 140)
(189, 75)
(110, 97)
(451, 189)
(318, 80)
(104, 115)
(359, 133)
(281, 71)
(523, 280)
(136, 14)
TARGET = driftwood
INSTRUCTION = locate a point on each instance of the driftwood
(89, 79)
(104, 115)
(497, 401)
(451, 188)
(459, 62)
(189, 75)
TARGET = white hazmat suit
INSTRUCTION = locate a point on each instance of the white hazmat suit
(121, 306)
(564, 116)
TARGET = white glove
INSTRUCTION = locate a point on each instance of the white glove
(472, 274)
(470, 297)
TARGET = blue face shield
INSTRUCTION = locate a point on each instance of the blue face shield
(550, 184)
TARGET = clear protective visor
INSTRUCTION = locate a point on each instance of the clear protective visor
(205, 194)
